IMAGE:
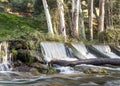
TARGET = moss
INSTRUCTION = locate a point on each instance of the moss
(14, 52)
(31, 58)
(97, 70)
(15, 27)
(2, 53)
(52, 70)
(35, 72)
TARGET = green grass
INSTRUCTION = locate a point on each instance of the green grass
(14, 27)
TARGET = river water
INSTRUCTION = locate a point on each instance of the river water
(80, 75)
(73, 78)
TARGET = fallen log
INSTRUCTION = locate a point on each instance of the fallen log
(100, 61)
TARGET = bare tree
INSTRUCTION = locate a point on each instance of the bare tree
(48, 17)
(62, 28)
(75, 18)
(108, 14)
(101, 16)
(82, 26)
(90, 14)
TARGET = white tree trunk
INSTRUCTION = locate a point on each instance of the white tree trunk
(48, 17)
(75, 18)
(90, 13)
(82, 26)
(61, 15)
(101, 16)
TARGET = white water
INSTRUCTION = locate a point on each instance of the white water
(105, 49)
(67, 70)
(83, 53)
(4, 63)
(55, 51)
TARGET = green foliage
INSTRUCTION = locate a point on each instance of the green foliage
(14, 27)
(21, 5)
(110, 36)
(14, 52)
(2, 53)
(52, 70)
(31, 58)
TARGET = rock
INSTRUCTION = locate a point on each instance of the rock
(96, 70)
(39, 65)
(22, 68)
(17, 63)
(34, 71)
(52, 70)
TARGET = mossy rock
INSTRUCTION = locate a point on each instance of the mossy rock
(34, 71)
(52, 70)
(96, 70)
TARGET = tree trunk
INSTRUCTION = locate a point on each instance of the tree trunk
(82, 26)
(75, 18)
(108, 14)
(62, 19)
(90, 14)
(48, 17)
(100, 61)
(101, 16)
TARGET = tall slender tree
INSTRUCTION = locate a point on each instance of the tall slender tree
(48, 17)
(90, 14)
(75, 18)
(82, 26)
(62, 27)
(108, 14)
(101, 16)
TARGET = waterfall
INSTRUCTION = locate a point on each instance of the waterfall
(4, 63)
(55, 51)
(82, 52)
(105, 49)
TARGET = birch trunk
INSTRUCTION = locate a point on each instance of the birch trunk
(90, 13)
(75, 18)
(61, 15)
(101, 16)
(82, 26)
(48, 17)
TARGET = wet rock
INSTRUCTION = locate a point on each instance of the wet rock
(34, 71)
(89, 84)
(39, 65)
(17, 63)
(42, 68)
(52, 70)
(22, 69)
(90, 70)
(96, 70)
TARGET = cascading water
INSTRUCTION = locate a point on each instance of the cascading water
(83, 53)
(4, 63)
(105, 49)
(55, 51)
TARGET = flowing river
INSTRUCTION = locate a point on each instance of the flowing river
(80, 75)
(62, 79)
